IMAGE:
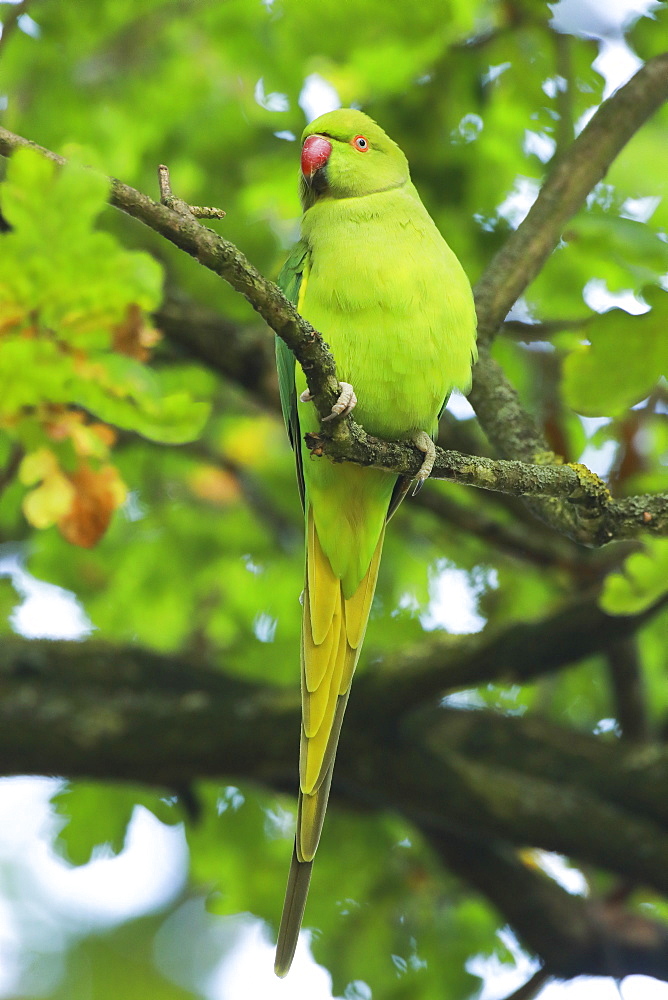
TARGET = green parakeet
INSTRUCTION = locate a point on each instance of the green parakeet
(372, 273)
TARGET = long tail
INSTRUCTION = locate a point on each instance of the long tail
(333, 628)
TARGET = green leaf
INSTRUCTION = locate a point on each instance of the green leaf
(642, 581)
(623, 361)
(97, 815)
(68, 287)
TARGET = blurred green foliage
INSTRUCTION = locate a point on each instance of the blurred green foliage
(204, 557)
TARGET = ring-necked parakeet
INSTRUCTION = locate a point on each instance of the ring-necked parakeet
(372, 273)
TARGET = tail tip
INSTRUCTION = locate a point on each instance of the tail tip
(281, 968)
(285, 952)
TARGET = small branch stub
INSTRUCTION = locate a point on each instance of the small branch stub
(180, 206)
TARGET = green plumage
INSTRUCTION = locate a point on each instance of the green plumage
(374, 276)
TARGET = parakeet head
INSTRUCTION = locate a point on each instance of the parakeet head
(346, 155)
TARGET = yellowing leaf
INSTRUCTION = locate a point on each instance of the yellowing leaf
(93, 440)
(52, 500)
(250, 441)
(216, 485)
(38, 465)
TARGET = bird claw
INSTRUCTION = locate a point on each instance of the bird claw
(425, 444)
(346, 402)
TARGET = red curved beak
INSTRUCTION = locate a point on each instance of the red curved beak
(315, 153)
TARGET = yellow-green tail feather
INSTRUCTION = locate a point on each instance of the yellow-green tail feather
(333, 628)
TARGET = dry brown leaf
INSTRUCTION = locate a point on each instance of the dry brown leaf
(133, 337)
(97, 494)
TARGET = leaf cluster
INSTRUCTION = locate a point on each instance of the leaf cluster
(188, 560)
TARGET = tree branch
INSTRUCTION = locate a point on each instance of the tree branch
(622, 774)
(573, 936)
(628, 688)
(517, 654)
(589, 515)
(93, 710)
(574, 174)
(521, 541)
(242, 354)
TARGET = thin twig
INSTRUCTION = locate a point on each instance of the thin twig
(11, 468)
(530, 989)
(178, 204)
(10, 21)
(519, 541)
(528, 332)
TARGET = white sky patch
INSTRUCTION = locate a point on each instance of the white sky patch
(317, 97)
(464, 699)
(598, 18)
(555, 84)
(598, 296)
(520, 311)
(145, 875)
(148, 873)
(539, 144)
(255, 568)
(516, 205)
(602, 194)
(593, 424)
(616, 63)
(51, 903)
(274, 101)
(279, 823)
(47, 611)
(643, 988)
(538, 347)
(606, 22)
(599, 457)
(454, 598)
(607, 726)
(494, 72)
(558, 868)
(468, 130)
(460, 407)
(264, 627)
(249, 970)
(501, 978)
(286, 134)
(640, 209)
(585, 118)
(28, 26)
(133, 509)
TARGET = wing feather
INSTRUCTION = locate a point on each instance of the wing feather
(292, 281)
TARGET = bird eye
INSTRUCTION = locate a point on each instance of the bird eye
(361, 143)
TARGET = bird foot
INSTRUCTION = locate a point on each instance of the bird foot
(346, 402)
(425, 444)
